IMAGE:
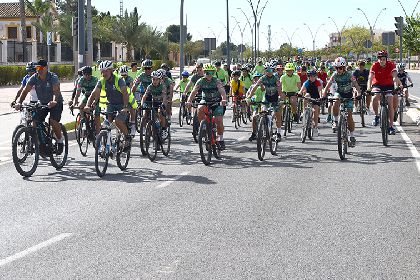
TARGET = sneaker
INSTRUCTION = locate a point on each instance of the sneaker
(407, 103)
(60, 148)
(315, 132)
(391, 131)
(375, 122)
(253, 137)
(278, 137)
(222, 145)
(329, 118)
(334, 127)
(352, 142)
(164, 134)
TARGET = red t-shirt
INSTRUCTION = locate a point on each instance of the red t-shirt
(383, 75)
(323, 76)
(303, 78)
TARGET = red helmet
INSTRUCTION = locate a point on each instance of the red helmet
(382, 53)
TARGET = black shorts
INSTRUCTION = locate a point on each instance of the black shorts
(383, 88)
(55, 113)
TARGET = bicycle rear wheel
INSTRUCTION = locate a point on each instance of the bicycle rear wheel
(102, 149)
(151, 143)
(25, 151)
(204, 143)
(123, 153)
(401, 111)
(271, 131)
(59, 160)
(82, 138)
(166, 143)
(384, 125)
(196, 127)
(181, 114)
(261, 138)
(362, 111)
(342, 137)
(244, 116)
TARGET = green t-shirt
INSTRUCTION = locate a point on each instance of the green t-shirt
(259, 69)
(247, 81)
(209, 88)
(222, 75)
(183, 84)
(258, 94)
(289, 83)
(86, 86)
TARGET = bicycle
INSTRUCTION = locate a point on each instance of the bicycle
(384, 115)
(287, 113)
(307, 118)
(184, 113)
(266, 130)
(153, 136)
(195, 123)
(238, 114)
(108, 145)
(207, 138)
(27, 141)
(85, 130)
(401, 104)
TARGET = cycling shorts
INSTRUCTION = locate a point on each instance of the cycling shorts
(350, 103)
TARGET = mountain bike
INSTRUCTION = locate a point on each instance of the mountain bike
(287, 113)
(401, 105)
(85, 131)
(307, 118)
(109, 145)
(184, 113)
(266, 129)
(342, 127)
(154, 138)
(29, 140)
(207, 134)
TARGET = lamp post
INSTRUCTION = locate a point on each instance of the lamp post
(181, 39)
(242, 38)
(258, 28)
(255, 13)
(338, 30)
(290, 39)
(313, 37)
(227, 33)
(370, 26)
(252, 33)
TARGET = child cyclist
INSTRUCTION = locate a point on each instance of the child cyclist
(257, 97)
(312, 88)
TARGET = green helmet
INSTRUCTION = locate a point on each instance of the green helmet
(209, 67)
(289, 66)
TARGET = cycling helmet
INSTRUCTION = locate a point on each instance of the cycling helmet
(289, 66)
(123, 70)
(299, 68)
(87, 70)
(256, 74)
(236, 73)
(312, 73)
(185, 74)
(80, 71)
(157, 74)
(244, 67)
(267, 65)
(30, 67)
(382, 53)
(217, 63)
(401, 66)
(147, 63)
(164, 66)
(105, 65)
(163, 71)
(340, 62)
(209, 67)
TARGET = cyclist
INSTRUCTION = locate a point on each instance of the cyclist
(303, 74)
(258, 97)
(368, 63)
(246, 77)
(279, 71)
(345, 83)
(111, 93)
(270, 84)
(123, 72)
(134, 70)
(79, 75)
(30, 70)
(169, 84)
(259, 68)
(143, 80)
(222, 75)
(182, 85)
(290, 86)
(87, 84)
(361, 74)
(157, 91)
(322, 75)
(403, 76)
(212, 91)
(237, 90)
(312, 88)
(383, 77)
(167, 70)
(47, 87)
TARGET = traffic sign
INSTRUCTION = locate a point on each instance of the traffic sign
(49, 38)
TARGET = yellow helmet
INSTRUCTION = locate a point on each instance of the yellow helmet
(209, 67)
(289, 66)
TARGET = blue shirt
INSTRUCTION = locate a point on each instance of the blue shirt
(44, 89)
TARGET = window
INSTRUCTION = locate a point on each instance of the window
(28, 32)
(12, 32)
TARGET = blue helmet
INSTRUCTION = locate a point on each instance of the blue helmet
(185, 74)
(30, 67)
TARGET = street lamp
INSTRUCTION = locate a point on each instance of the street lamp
(255, 13)
(258, 27)
(313, 37)
(370, 26)
(338, 31)
(181, 39)
(242, 38)
(252, 33)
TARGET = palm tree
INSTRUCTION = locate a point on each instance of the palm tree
(45, 21)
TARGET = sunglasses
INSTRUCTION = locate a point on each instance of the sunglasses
(210, 73)
(40, 68)
(147, 68)
(340, 68)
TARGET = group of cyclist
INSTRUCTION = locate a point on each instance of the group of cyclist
(121, 96)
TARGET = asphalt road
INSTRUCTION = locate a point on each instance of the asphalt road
(302, 214)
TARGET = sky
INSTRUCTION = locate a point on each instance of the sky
(285, 17)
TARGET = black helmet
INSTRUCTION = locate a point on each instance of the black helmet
(164, 66)
(80, 71)
(87, 70)
(236, 73)
(30, 67)
(217, 63)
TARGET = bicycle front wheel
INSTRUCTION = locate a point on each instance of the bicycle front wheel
(261, 138)
(362, 111)
(271, 131)
(58, 160)
(123, 153)
(138, 120)
(102, 149)
(286, 119)
(181, 114)
(166, 143)
(401, 111)
(151, 143)
(142, 133)
(25, 151)
(204, 143)
(306, 125)
(82, 138)
(342, 137)
(384, 125)
(196, 127)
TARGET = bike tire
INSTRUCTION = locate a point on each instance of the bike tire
(166, 143)
(401, 111)
(299, 109)
(102, 149)
(181, 114)
(78, 123)
(58, 161)
(244, 117)
(271, 131)
(342, 137)
(142, 134)
(362, 112)
(151, 141)
(196, 127)
(138, 120)
(123, 154)
(83, 139)
(261, 138)
(305, 125)
(384, 125)
(204, 143)
(19, 126)
(286, 120)
(29, 141)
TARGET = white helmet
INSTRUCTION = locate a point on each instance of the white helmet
(157, 74)
(163, 71)
(401, 66)
(147, 63)
(340, 61)
(123, 70)
(105, 65)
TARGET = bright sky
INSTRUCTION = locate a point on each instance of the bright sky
(209, 20)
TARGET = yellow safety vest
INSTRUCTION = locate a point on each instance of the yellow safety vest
(103, 100)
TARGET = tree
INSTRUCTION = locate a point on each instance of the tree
(411, 34)
(354, 39)
(172, 31)
(46, 19)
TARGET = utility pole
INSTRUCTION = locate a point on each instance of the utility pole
(121, 8)
(227, 32)
(23, 28)
(269, 38)
(81, 33)
(181, 39)
(89, 57)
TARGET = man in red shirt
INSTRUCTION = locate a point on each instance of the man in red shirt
(303, 74)
(322, 75)
(383, 77)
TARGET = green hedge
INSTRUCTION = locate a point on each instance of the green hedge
(13, 75)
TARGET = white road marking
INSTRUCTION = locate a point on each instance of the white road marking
(414, 152)
(168, 182)
(35, 248)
